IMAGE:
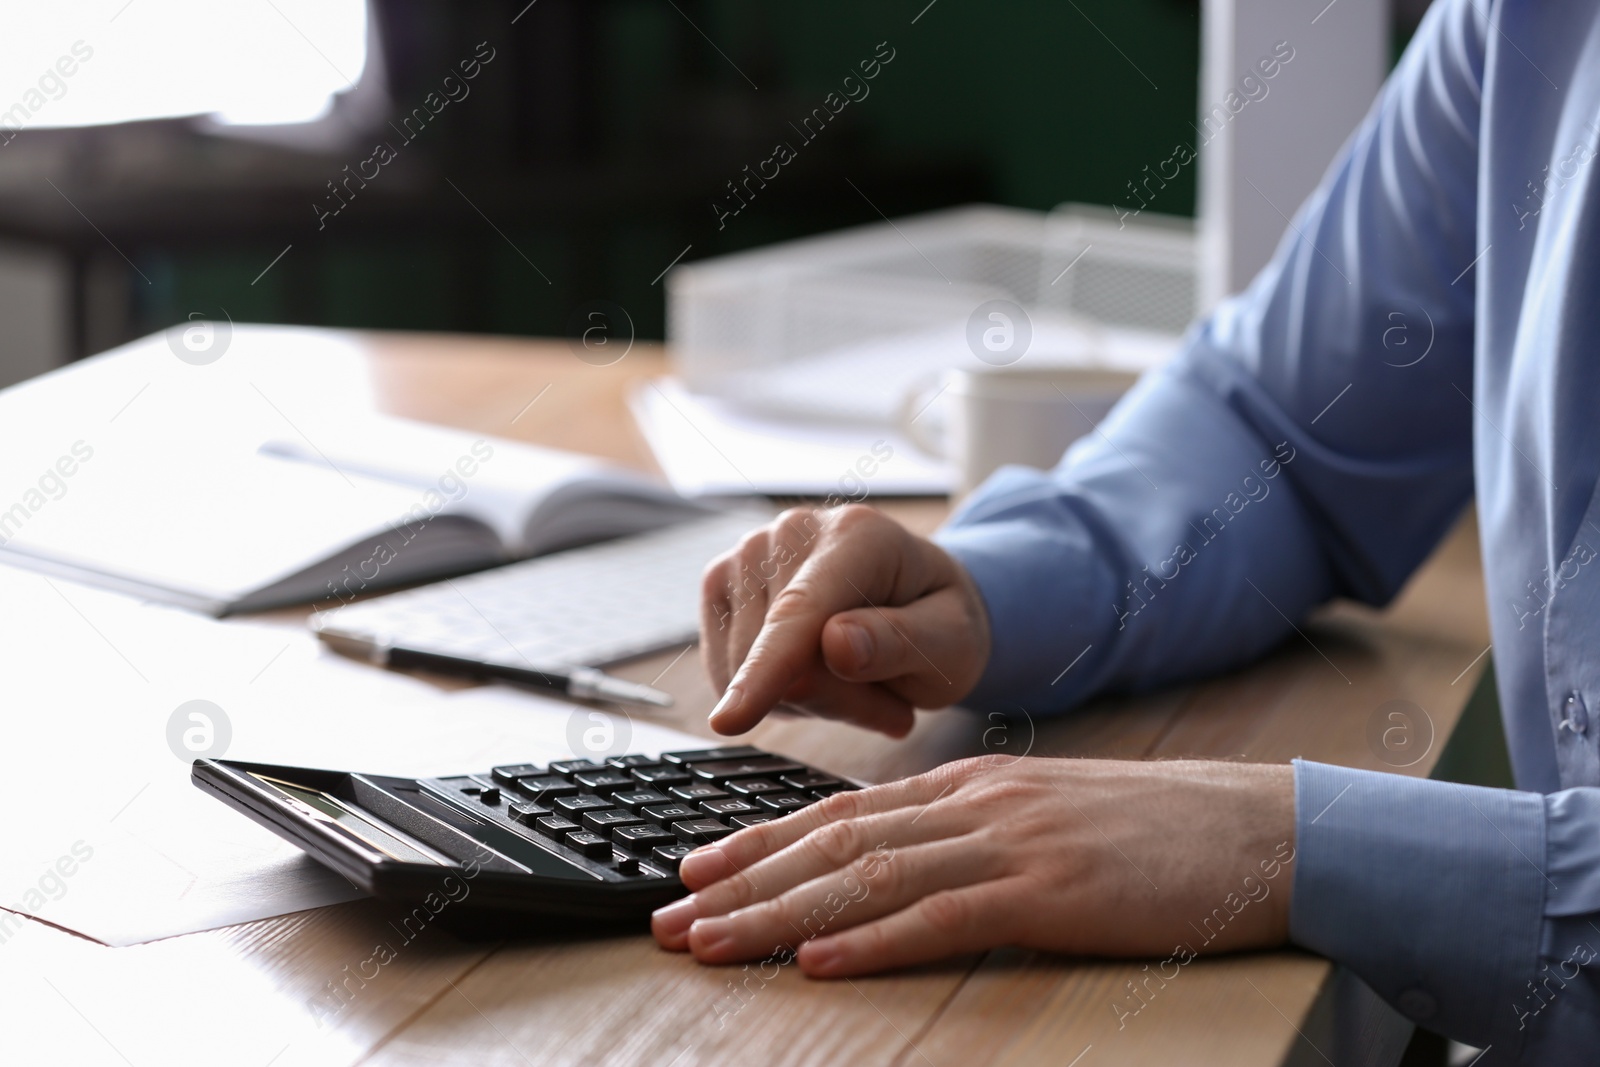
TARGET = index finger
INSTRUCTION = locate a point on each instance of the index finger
(841, 574)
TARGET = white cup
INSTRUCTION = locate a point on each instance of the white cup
(998, 415)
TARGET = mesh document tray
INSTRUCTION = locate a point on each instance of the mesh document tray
(841, 298)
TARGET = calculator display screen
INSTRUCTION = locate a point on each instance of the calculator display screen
(388, 840)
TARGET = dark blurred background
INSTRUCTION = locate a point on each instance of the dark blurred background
(596, 141)
(590, 151)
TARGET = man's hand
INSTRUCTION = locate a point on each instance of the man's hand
(1089, 857)
(841, 613)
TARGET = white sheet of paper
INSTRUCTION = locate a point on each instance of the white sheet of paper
(709, 447)
(106, 835)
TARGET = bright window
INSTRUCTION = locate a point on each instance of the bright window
(252, 62)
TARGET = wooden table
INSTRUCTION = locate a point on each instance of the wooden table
(257, 994)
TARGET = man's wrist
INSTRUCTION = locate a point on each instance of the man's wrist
(976, 611)
(1259, 840)
(1278, 802)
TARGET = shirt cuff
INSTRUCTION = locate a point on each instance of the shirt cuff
(1038, 575)
(1433, 893)
(1572, 837)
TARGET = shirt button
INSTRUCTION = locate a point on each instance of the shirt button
(1417, 1005)
(1577, 714)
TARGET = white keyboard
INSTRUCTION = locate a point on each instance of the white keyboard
(588, 606)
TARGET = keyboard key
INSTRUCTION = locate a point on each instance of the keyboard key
(490, 794)
(706, 755)
(590, 844)
(823, 791)
(669, 856)
(634, 800)
(750, 787)
(527, 813)
(720, 771)
(628, 763)
(667, 814)
(627, 865)
(568, 767)
(643, 838)
(509, 773)
(660, 777)
(579, 804)
(700, 831)
(546, 789)
(808, 780)
(728, 806)
(783, 803)
(555, 826)
(697, 791)
(603, 822)
(742, 821)
(603, 781)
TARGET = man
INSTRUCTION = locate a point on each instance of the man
(1466, 209)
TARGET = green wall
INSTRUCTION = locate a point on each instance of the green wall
(1054, 100)
(1038, 88)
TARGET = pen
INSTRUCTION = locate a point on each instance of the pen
(585, 683)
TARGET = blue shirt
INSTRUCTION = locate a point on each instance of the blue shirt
(1429, 328)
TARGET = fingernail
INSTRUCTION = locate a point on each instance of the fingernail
(860, 643)
(704, 866)
(711, 937)
(672, 922)
(820, 957)
(727, 707)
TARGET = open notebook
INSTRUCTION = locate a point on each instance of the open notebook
(357, 505)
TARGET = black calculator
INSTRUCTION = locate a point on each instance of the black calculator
(521, 845)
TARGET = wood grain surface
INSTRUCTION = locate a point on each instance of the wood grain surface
(291, 990)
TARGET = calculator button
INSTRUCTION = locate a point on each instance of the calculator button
(578, 804)
(633, 801)
(660, 777)
(603, 822)
(546, 788)
(643, 838)
(742, 821)
(555, 826)
(720, 771)
(603, 781)
(697, 791)
(527, 813)
(667, 814)
(509, 773)
(590, 844)
(750, 787)
(568, 767)
(628, 763)
(669, 856)
(706, 755)
(490, 795)
(728, 806)
(700, 831)
(783, 803)
(808, 780)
